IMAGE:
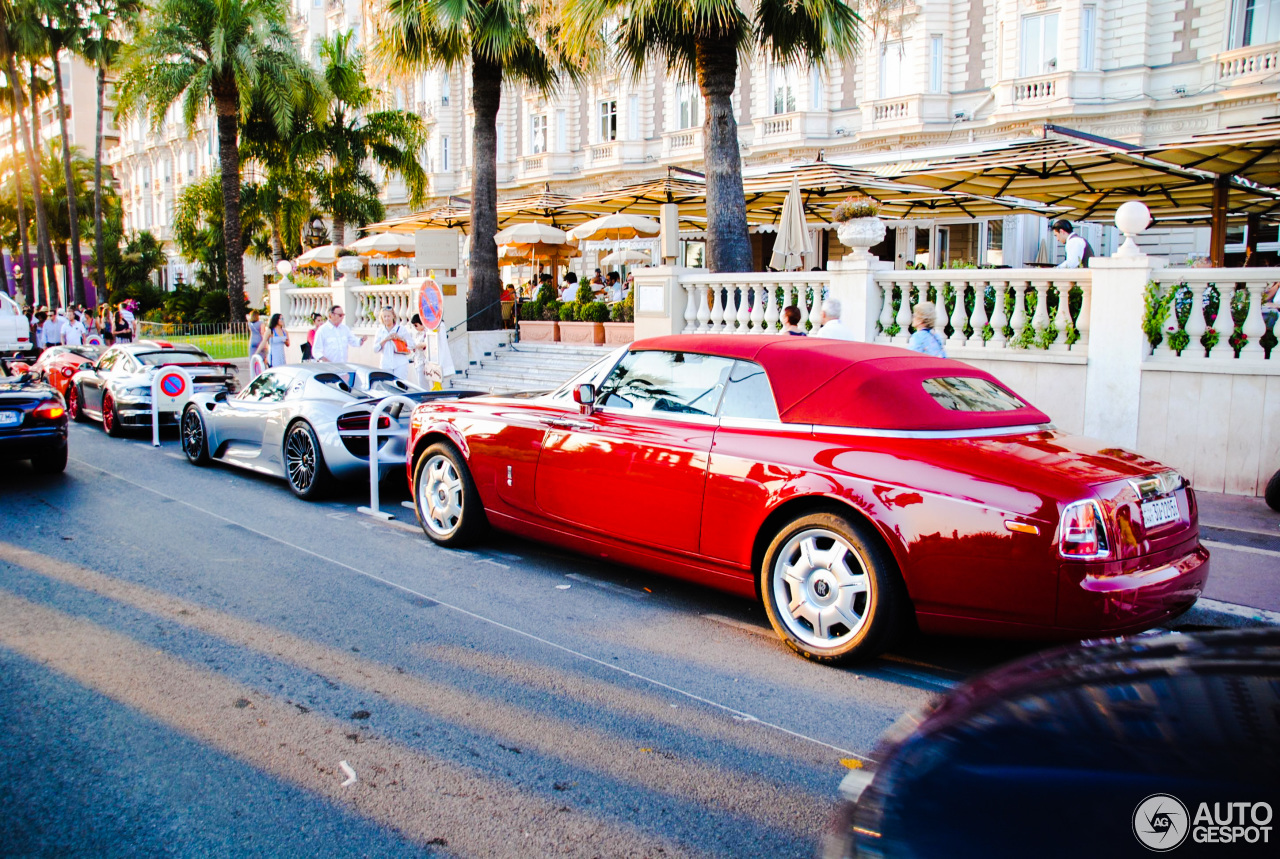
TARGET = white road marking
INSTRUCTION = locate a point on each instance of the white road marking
(351, 774)
(563, 587)
(1239, 610)
(693, 696)
(607, 586)
(1204, 524)
(494, 563)
(1232, 547)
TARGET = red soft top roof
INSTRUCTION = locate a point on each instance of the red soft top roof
(839, 383)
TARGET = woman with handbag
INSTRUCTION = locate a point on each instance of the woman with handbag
(273, 345)
(394, 345)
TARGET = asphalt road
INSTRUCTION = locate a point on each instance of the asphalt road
(192, 662)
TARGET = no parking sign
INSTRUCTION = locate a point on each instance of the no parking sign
(170, 390)
(430, 304)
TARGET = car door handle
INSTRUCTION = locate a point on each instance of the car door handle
(572, 425)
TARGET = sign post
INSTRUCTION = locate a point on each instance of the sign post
(170, 390)
(379, 411)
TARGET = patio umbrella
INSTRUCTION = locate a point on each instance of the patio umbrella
(385, 245)
(627, 257)
(793, 234)
(616, 227)
(531, 233)
(325, 256)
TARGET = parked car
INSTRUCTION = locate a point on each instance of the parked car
(57, 364)
(858, 490)
(15, 331)
(117, 389)
(307, 423)
(33, 422)
(1100, 749)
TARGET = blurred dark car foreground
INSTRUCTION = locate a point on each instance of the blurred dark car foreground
(1164, 743)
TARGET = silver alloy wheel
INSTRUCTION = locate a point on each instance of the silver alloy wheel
(300, 458)
(192, 434)
(439, 496)
(821, 587)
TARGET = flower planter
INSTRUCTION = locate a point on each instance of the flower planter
(861, 234)
(619, 333)
(582, 332)
(539, 331)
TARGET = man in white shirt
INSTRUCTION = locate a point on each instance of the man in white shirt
(829, 321)
(73, 332)
(53, 328)
(333, 338)
(1078, 250)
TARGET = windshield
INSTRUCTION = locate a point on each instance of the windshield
(156, 359)
(593, 375)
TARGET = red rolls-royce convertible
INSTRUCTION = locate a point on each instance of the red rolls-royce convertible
(856, 489)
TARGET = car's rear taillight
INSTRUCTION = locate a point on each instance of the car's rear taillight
(360, 423)
(50, 411)
(1083, 531)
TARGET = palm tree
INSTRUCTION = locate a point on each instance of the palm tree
(9, 102)
(216, 53)
(101, 47)
(63, 30)
(350, 137)
(701, 39)
(501, 40)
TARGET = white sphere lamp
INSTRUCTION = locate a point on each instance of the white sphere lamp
(284, 267)
(1131, 219)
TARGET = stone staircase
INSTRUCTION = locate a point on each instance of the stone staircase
(526, 367)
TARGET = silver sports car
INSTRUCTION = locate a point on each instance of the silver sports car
(307, 423)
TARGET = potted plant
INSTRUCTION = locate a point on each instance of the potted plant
(858, 224)
(587, 325)
(539, 321)
(623, 327)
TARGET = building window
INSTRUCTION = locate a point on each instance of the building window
(444, 154)
(994, 243)
(633, 118)
(688, 99)
(562, 131)
(502, 143)
(1088, 38)
(782, 87)
(444, 88)
(1039, 45)
(538, 134)
(892, 65)
(935, 63)
(1257, 22)
(608, 128)
(817, 92)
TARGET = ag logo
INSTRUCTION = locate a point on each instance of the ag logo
(1160, 822)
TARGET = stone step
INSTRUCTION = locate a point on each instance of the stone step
(527, 367)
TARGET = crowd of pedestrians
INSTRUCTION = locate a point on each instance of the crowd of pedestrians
(80, 326)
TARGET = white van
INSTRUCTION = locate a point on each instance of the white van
(15, 334)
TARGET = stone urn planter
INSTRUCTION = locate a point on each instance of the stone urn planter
(539, 331)
(861, 234)
(619, 333)
(350, 266)
(589, 333)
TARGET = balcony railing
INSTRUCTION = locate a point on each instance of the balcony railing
(684, 141)
(1039, 88)
(1212, 315)
(1248, 62)
(749, 303)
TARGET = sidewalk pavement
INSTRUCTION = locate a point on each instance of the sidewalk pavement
(1241, 533)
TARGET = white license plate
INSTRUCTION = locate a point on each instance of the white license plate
(10, 419)
(1159, 512)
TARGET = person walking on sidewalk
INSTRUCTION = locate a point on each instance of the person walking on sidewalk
(394, 345)
(334, 337)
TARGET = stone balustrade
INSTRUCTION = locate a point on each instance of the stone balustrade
(749, 303)
(1211, 314)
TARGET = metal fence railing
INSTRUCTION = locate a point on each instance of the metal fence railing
(218, 340)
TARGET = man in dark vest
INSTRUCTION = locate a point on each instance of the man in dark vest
(1078, 251)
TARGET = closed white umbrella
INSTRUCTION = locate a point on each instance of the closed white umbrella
(627, 257)
(793, 233)
(616, 228)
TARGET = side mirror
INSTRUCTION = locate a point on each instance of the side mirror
(585, 396)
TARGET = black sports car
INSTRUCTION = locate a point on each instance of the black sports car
(33, 422)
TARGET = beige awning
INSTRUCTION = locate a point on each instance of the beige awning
(1249, 152)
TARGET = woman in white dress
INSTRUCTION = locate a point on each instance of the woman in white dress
(394, 345)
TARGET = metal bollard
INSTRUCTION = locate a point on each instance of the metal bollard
(382, 407)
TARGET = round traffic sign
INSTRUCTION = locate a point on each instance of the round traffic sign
(173, 384)
(430, 304)
(257, 365)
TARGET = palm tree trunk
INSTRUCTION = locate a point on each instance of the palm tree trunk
(99, 273)
(339, 231)
(484, 286)
(227, 104)
(23, 226)
(37, 196)
(73, 215)
(728, 243)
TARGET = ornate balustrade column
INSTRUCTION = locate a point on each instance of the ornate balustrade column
(1254, 325)
(904, 314)
(1062, 318)
(999, 319)
(1196, 324)
(959, 317)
